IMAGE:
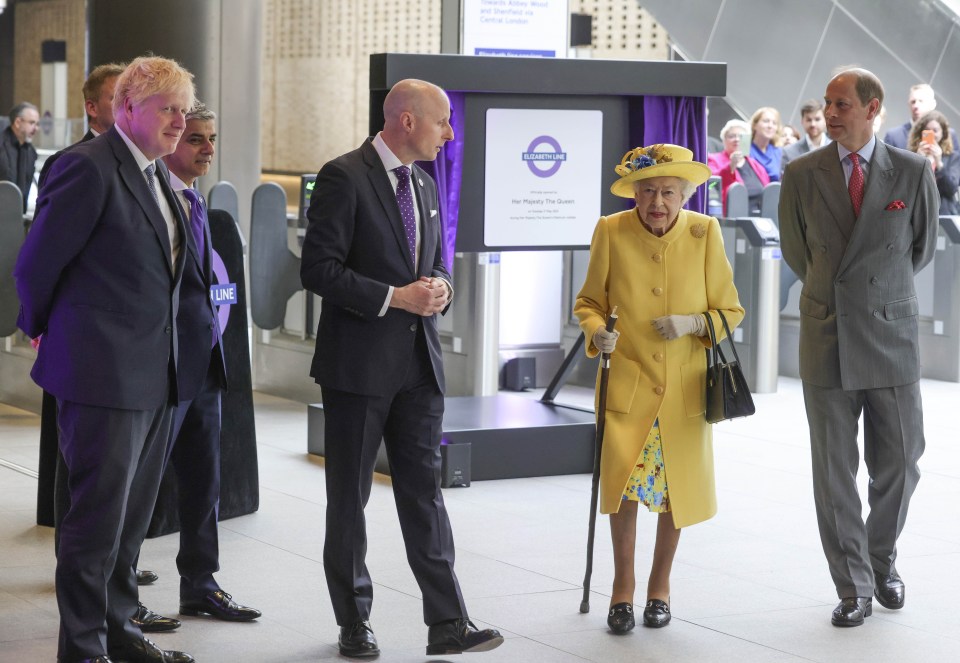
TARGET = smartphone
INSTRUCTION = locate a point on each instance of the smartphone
(928, 137)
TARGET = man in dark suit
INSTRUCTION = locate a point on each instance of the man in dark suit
(201, 376)
(922, 100)
(373, 252)
(814, 127)
(98, 278)
(18, 156)
(857, 220)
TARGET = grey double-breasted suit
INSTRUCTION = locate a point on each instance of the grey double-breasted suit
(859, 343)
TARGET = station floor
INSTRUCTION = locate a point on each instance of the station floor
(749, 585)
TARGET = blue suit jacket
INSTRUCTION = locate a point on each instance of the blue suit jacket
(94, 277)
(355, 248)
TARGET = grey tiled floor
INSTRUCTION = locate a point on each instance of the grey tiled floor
(748, 585)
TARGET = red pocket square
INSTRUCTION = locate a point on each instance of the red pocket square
(896, 204)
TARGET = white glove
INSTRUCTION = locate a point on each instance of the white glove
(675, 326)
(604, 340)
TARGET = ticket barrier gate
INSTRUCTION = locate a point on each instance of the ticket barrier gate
(753, 248)
(940, 337)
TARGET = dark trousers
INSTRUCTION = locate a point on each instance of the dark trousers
(409, 422)
(113, 458)
(195, 454)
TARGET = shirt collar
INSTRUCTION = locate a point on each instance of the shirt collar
(142, 161)
(389, 159)
(175, 182)
(865, 152)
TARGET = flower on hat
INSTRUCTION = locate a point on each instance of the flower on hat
(642, 157)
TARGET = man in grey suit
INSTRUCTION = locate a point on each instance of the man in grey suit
(857, 220)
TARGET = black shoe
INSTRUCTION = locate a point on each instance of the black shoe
(889, 590)
(459, 635)
(620, 618)
(98, 659)
(852, 611)
(656, 614)
(151, 622)
(358, 641)
(144, 651)
(146, 577)
(220, 605)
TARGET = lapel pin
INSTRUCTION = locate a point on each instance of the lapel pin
(419, 181)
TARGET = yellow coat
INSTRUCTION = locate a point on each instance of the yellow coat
(685, 271)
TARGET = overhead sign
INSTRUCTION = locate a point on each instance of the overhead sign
(529, 28)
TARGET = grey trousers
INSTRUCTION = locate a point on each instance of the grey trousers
(893, 443)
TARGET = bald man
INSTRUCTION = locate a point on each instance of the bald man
(373, 252)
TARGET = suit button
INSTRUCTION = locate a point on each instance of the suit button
(167, 329)
(658, 391)
(823, 248)
(876, 314)
(657, 257)
(874, 280)
(657, 356)
(889, 247)
(657, 291)
(210, 326)
(413, 327)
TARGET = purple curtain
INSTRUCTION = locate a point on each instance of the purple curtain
(677, 120)
(681, 121)
(447, 171)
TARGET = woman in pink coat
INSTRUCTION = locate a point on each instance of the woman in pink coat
(735, 164)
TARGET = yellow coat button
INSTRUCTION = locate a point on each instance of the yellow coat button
(657, 356)
(658, 291)
(657, 257)
(659, 391)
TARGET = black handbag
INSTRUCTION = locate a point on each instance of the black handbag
(728, 396)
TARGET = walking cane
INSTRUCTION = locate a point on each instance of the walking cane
(598, 446)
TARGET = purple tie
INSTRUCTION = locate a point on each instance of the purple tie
(198, 219)
(405, 201)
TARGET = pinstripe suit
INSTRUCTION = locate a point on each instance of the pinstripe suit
(859, 349)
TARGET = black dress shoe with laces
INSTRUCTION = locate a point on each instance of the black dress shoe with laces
(620, 619)
(460, 635)
(852, 611)
(151, 622)
(146, 577)
(656, 614)
(219, 605)
(889, 590)
(144, 651)
(358, 641)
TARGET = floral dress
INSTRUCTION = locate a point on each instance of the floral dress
(648, 481)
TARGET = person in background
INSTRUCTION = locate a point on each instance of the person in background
(788, 136)
(108, 354)
(373, 252)
(939, 151)
(814, 127)
(735, 165)
(858, 219)
(764, 146)
(664, 268)
(194, 448)
(18, 156)
(921, 100)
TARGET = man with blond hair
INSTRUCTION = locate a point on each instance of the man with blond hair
(98, 278)
(921, 100)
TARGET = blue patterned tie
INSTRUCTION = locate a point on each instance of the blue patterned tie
(152, 181)
(405, 201)
(198, 219)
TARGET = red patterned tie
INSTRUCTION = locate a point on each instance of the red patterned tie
(856, 184)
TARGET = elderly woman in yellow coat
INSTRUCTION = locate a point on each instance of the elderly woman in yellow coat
(664, 267)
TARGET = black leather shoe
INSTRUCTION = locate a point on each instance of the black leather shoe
(358, 641)
(151, 622)
(852, 611)
(656, 614)
(620, 618)
(144, 651)
(459, 635)
(146, 577)
(220, 605)
(889, 590)
(98, 659)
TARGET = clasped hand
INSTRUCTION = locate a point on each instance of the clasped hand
(605, 340)
(675, 326)
(425, 296)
